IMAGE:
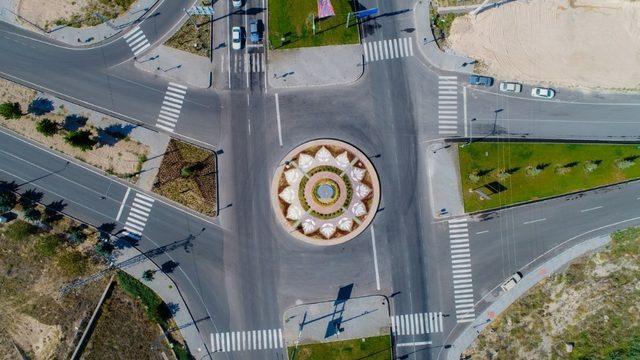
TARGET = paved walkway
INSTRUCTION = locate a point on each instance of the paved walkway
(315, 66)
(79, 36)
(178, 65)
(168, 291)
(444, 180)
(528, 281)
(341, 319)
(428, 47)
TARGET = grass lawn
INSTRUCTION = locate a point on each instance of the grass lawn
(292, 21)
(529, 171)
(372, 348)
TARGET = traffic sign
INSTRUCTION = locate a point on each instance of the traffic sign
(364, 13)
(201, 10)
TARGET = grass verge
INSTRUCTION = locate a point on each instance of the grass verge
(500, 173)
(291, 25)
(188, 175)
(372, 348)
(193, 39)
(441, 25)
(589, 311)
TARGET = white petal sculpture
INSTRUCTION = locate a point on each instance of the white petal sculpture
(358, 209)
(345, 224)
(357, 174)
(305, 161)
(323, 155)
(362, 191)
(342, 160)
(293, 176)
(288, 195)
(327, 230)
(308, 226)
(294, 212)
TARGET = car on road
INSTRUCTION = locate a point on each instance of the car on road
(510, 87)
(236, 3)
(511, 282)
(480, 80)
(236, 38)
(254, 31)
(545, 93)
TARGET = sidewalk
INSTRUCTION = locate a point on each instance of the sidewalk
(444, 180)
(315, 66)
(177, 65)
(168, 291)
(530, 279)
(79, 36)
(428, 47)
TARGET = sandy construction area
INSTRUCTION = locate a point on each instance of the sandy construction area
(36, 11)
(583, 43)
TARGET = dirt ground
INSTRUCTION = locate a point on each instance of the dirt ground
(55, 9)
(118, 157)
(575, 43)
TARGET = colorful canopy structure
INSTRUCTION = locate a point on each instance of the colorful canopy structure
(325, 9)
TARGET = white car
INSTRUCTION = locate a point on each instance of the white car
(545, 93)
(511, 282)
(236, 38)
(236, 3)
(510, 87)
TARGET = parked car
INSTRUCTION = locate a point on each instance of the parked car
(511, 282)
(254, 31)
(3, 219)
(545, 93)
(236, 3)
(236, 38)
(480, 80)
(510, 87)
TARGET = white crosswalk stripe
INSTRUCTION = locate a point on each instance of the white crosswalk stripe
(387, 49)
(417, 324)
(138, 215)
(254, 63)
(461, 269)
(171, 106)
(247, 340)
(448, 105)
(136, 40)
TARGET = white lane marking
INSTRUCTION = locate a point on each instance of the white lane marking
(375, 257)
(482, 232)
(417, 343)
(534, 221)
(591, 209)
(464, 109)
(124, 200)
(278, 120)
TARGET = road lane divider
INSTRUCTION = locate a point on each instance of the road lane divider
(534, 221)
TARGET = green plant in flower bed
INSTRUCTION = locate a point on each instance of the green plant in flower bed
(303, 183)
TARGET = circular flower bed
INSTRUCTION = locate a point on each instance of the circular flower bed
(326, 192)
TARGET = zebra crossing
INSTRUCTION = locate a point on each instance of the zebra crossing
(387, 49)
(417, 324)
(448, 105)
(461, 269)
(247, 340)
(138, 215)
(249, 63)
(171, 106)
(136, 40)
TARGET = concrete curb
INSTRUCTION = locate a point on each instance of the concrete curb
(530, 279)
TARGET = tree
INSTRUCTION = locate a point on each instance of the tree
(10, 110)
(47, 127)
(81, 139)
(32, 214)
(148, 274)
(7, 200)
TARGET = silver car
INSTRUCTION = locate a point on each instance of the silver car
(544, 93)
(510, 87)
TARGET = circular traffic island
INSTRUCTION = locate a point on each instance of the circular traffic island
(325, 192)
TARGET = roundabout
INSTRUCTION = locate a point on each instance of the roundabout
(326, 192)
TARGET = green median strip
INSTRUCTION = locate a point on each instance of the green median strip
(371, 348)
(497, 174)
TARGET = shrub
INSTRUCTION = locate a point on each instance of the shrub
(47, 127)
(81, 139)
(533, 171)
(562, 170)
(503, 174)
(47, 245)
(7, 200)
(474, 177)
(624, 164)
(72, 263)
(590, 166)
(10, 110)
(104, 249)
(76, 235)
(156, 309)
(148, 274)
(20, 230)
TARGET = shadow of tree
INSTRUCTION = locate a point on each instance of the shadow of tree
(40, 106)
(74, 122)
